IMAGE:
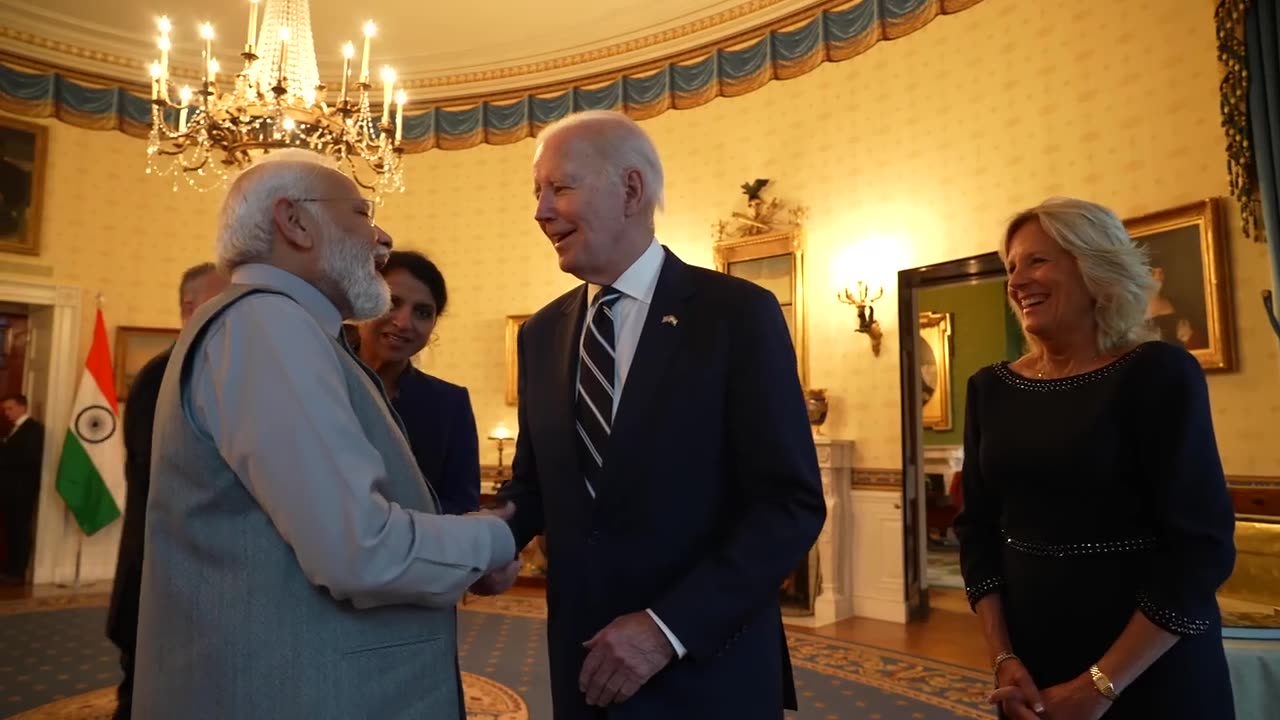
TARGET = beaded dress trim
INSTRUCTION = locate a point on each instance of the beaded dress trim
(1066, 383)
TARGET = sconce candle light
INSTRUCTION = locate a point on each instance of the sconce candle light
(867, 322)
(501, 434)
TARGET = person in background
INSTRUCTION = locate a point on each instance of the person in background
(437, 415)
(21, 457)
(1097, 526)
(198, 284)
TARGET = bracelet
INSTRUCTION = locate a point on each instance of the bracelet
(1103, 683)
(995, 664)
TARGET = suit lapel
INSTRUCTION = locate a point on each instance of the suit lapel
(659, 338)
(563, 356)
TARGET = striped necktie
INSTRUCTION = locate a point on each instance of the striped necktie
(596, 370)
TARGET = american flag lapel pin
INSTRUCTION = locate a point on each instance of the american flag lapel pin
(671, 320)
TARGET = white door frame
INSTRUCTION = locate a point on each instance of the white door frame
(56, 538)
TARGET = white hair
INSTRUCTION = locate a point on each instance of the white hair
(245, 226)
(623, 145)
(1115, 269)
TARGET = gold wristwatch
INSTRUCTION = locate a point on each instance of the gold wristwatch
(1103, 683)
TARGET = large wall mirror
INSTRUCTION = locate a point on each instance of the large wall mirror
(770, 255)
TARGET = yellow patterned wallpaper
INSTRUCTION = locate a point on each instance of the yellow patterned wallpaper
(109, 228)
(912, 153)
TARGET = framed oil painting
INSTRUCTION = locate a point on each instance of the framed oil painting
(1192, 303)
(513, 369)
(22, 171)
(134, 347)
(933, 347)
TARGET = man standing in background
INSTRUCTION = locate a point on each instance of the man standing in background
(21, 455)
(199, 283)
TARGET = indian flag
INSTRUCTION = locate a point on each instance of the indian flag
(91, 472)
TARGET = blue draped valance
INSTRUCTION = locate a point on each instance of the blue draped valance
(830, 33)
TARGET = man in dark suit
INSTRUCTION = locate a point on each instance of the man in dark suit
(664, 452)
(198, 284)
(21, 455)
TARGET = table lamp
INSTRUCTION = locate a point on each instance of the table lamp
(500, 434)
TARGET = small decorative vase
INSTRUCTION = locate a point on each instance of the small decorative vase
(815, 400)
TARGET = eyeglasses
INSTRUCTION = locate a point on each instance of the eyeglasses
(367, 206)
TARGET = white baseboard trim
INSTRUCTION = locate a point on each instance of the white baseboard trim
(880, 608)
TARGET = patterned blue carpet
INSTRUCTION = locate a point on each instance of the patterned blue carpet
(56, 664)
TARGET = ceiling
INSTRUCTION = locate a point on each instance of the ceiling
(440, 49)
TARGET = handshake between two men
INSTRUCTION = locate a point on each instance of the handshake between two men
(498, 581)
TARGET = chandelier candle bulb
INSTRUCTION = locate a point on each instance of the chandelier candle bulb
(284, 53)
(155, 81)
(369, 31)
(185, 96)
(206, 32)
(388, 80)
(164, 57)
(400, 98)
(348, 52)
(253, 26)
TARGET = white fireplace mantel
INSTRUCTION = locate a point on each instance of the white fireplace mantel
(834, 600)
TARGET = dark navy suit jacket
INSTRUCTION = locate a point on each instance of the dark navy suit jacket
(441, 429)
(709, 497)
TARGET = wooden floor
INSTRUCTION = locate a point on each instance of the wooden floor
(949, 634)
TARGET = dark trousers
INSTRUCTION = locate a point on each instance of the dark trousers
(19, 523)
(122, 623)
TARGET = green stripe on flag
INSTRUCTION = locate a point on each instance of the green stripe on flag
(83, 489)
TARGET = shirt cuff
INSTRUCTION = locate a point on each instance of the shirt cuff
(675, 642)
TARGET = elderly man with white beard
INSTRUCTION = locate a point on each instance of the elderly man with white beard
(296, 565)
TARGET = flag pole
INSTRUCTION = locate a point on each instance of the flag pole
(75, 583)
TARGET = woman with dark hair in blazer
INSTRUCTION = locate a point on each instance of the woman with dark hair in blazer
(437, 415)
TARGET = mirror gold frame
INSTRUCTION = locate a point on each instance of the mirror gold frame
(775, 261)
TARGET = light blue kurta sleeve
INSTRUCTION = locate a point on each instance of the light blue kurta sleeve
(267, 386)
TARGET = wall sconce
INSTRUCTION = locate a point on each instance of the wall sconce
(867, 322)
(501, 435)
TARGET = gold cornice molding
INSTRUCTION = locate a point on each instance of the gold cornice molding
(602, 77)
(604, 53)
(75, 51)
(44, 51)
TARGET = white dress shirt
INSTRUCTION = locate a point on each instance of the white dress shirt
(24, 416)
(629, 312)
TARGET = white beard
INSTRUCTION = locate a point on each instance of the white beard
(348, 264)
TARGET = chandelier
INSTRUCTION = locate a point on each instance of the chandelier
(208, 133)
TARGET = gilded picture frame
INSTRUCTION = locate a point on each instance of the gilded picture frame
(775, 261)
(1192, 304)
(23, 150)
(135, 346)
(934, 352)
(512, 365)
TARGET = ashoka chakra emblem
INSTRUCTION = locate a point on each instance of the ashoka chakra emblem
(95, 424)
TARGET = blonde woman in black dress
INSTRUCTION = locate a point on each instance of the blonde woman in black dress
(1097, 526)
